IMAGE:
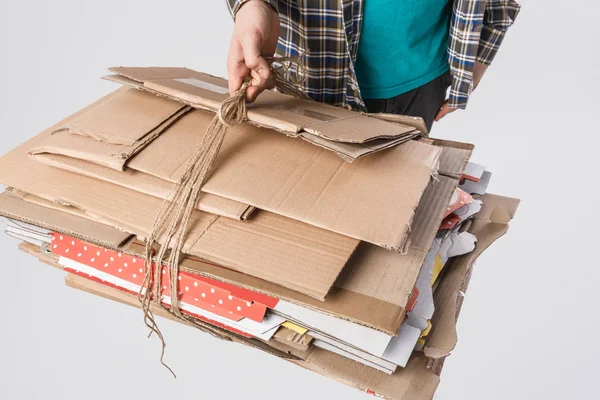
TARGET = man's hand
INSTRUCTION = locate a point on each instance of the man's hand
(254, 37)
(478, 73)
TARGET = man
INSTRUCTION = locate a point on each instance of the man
(395, 56)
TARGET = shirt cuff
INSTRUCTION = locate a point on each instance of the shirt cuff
(458, 95)
(490, 42)
(238, 3)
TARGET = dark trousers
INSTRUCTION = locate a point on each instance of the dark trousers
(424, 101)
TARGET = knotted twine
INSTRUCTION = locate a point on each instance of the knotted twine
(170, 225)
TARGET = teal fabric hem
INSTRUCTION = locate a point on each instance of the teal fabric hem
(388, 93)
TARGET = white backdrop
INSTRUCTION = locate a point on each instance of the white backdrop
(529, 324)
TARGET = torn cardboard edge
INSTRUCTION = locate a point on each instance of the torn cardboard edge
(443, 336)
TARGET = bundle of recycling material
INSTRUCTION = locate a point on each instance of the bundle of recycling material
(340, 241)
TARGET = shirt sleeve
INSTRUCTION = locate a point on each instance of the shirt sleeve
(498, 17)
(234, 5)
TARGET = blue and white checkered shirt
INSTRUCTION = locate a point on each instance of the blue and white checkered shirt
(329, 31)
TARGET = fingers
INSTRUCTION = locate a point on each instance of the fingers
(244, 60)
(258, 85)
(445, 110)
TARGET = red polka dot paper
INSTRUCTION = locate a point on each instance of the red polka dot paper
(458, 200)
(201, 292)
(200, 317)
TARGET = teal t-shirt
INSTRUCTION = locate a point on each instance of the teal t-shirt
(403, 45)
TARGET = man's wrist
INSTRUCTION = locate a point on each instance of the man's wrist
(241, 3)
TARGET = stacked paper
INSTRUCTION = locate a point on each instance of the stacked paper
(326, 237)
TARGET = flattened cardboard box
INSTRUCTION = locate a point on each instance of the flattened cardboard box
(360, 295)
(372, 199)
(356, 294)
(302, 257)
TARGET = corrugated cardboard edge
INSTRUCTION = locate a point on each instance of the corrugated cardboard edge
(102, 235)
(416, 122)
(490, 225)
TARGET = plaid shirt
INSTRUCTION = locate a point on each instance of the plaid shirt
(329, 31)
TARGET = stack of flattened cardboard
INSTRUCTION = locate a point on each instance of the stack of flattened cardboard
(329, 238)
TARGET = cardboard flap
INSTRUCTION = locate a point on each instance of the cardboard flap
(290, 115)
(124, 118)
(416, 122)
(14, 208)
(382, 274)
(443, 337)
(454, 158)
(141, 74)
(82, 148)
(111, 155)
(492, 204)
(430, 212)
(358, 129)
(146, 184)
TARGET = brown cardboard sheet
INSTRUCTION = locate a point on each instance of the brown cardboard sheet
(110, 155)
(454, 158)
(71, 210)
(489, 225)
(123, 119)
(372, 199)
(430, 213)
(376, 285)
(272, 109)
(293, 339)
(302, 257)
(18, 209)
(416, 122)
(145, 183)
(276, 120)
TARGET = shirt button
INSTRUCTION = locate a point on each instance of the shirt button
(353, 86)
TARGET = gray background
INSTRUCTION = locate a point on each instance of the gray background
(529, 325)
